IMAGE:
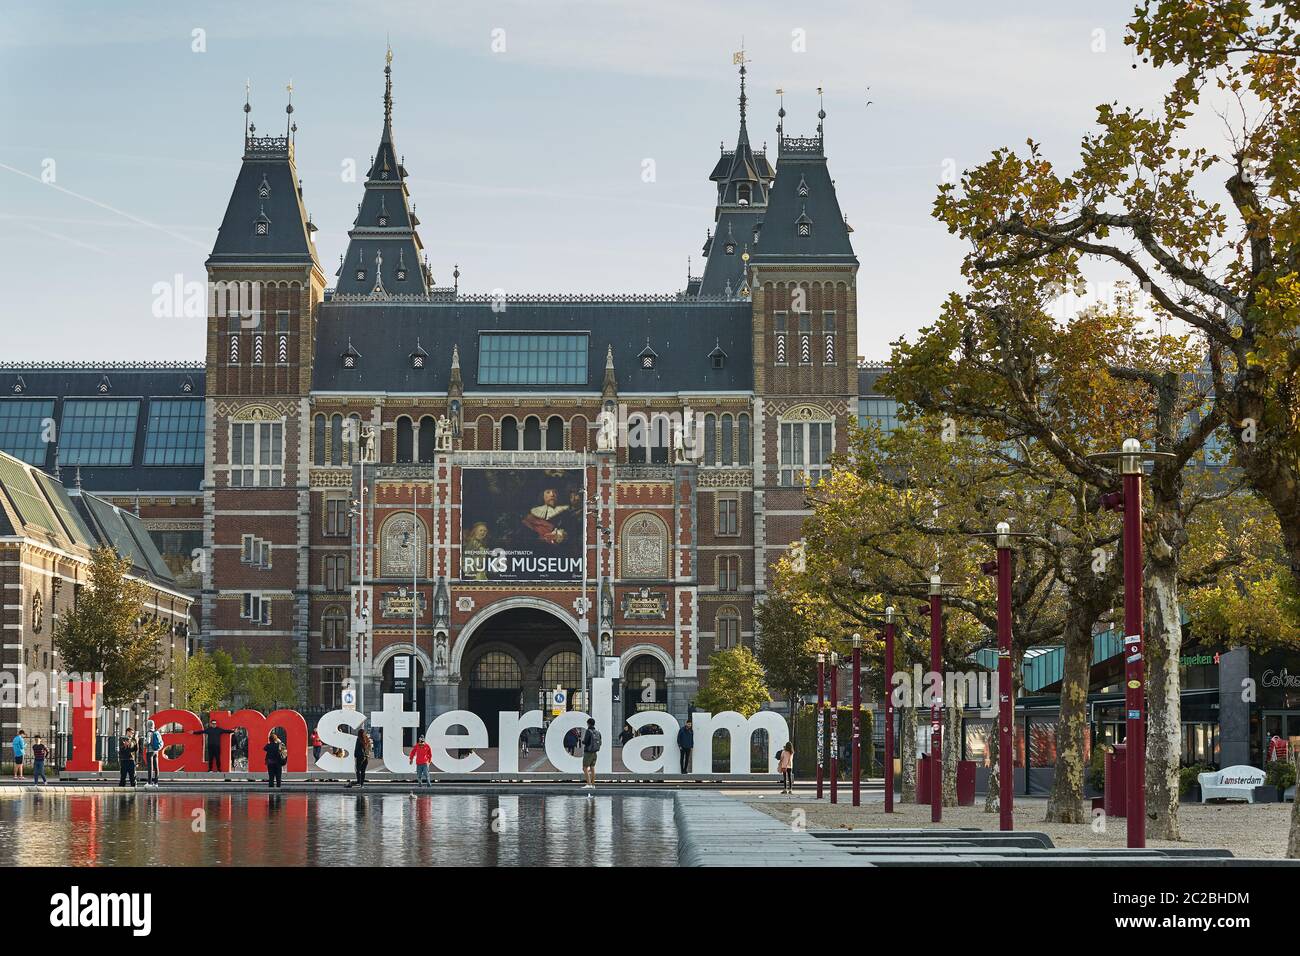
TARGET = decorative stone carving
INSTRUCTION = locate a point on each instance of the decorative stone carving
(606, 431)
(396, 551)
(645, 547)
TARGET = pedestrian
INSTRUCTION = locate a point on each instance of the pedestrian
(626, 734)
(20, 751)
(523, 742)
(365, 750)
(277, 755)
(571, 741)
(590, 748)
(315, 744)
(212, 736)
(686, 744)
(153, 745)
(127, 748)
(421, 756)
(39, 753)
(786, 765)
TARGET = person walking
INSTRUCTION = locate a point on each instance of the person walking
(153, 745)
(127, 749)
(686, 744)
(785, 764)
(523, 742)
(421, 756)
(212, 736)
(315, 744)
(571, 741)
(20, 753)
(590, 750)
(276, 757)
(626, 734)
(39, 753)
(365, 750)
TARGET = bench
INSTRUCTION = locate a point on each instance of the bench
(1231, 783)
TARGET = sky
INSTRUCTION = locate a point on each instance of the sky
(525, 129)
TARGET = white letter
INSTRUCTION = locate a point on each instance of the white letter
(440, 741)
(735, 726)
(510, 726)
(670, 760)
(391, 720)
(332, 737)
(555, 752)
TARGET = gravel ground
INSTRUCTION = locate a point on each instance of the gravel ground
(1248, 830)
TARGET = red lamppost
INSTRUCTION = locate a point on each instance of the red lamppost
(821, 719)
(835, 727)
(1129, 502)
(889, 710)
(936, 701)
(857, 728)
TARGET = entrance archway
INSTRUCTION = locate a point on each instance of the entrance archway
(644, 685)
(507, 658)
(414, 668)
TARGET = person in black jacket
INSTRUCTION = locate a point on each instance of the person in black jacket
(127, 748)
(685, 744)
(362, 754)
(274, 761)
(212, 733)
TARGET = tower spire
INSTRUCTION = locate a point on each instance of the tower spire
(288, 113)
(740, 58)
(248, 107)
(388, 88)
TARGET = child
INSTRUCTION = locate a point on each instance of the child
(20, 751)
(786, 765)
(421, 756)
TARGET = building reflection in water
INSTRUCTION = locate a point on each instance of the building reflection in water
(301, 829)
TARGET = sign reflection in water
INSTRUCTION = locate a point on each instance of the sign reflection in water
(301, 829)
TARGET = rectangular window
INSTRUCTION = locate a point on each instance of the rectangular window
(25, 424)
(336, 517)
(255, 551)
(256, 454)
(331, 686)
(174, 434)
(881, 412)
(98, 431)
(728, 516)
(780, 326)
(728, 635)
(806, 448)
(334, 631)
(729, 573)
(255, 608)
(519, 358)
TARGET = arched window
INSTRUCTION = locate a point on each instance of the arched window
(726, 628)
(644, 547)
(746, 442)
(352, 438)
(336, 439)
(661, 438)
(405, 439)
(638, 437)
(742, 194)
(334, 630)
(428, 435)
(563, 670)
(646, 685)
(509, 434)
(532, 433)
(710, 439)
(555, 433)
(496, 670)
(727, 436)
(318, 441)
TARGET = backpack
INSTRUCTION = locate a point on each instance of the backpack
(592, 742)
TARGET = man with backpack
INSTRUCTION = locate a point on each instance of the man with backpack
(153, 745)
(590, 749)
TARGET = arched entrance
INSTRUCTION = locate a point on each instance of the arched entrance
(644, 685)
(398, 673)
(512, 657)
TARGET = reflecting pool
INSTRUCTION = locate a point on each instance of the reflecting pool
(336, 829)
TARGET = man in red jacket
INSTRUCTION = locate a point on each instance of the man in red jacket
(421, 756)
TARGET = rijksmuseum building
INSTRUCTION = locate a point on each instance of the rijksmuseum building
(372, 478)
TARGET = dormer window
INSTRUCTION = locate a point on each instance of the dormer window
(104, 385)
(730, 248)
(718, 358)
(805, 229)
(19, 386)
(803, 188)
(264, 190)
(803, 225)
(401, 266)
(419, 356)
(383, 220)
(743, 194)
(647, 357)
(261, 225)
(351, 357)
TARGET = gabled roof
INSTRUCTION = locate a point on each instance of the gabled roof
(385, 253)
(684, 332)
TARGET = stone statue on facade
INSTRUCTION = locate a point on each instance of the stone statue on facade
(606, 431)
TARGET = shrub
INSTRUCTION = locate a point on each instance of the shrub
(1280, 774)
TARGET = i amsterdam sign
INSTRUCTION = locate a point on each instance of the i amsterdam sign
(457, 731)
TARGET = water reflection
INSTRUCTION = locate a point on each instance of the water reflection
(300, 829)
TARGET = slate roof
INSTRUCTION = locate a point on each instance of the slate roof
(38, 507)
(683, 332)
(125, 381)
(268, 163)
(384, 249)
(802, 161)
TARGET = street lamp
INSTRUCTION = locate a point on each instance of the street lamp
(936, 586)
(1129, 502)
(857, 706)
(821, 719)
(835, 727)
(888, 618)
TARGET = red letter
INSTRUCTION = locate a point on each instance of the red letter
(259, 729)
(85, 705)
(191, 758)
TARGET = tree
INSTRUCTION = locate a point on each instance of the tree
(787, 648)
(736, 682)
(266, 685)
(203, 681)
(108, 632)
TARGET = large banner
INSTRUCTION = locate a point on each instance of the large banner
(520, 524)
